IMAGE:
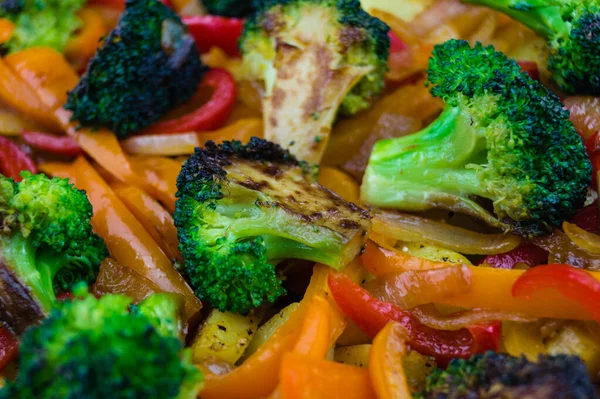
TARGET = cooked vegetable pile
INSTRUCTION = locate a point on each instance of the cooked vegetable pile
(299, 199)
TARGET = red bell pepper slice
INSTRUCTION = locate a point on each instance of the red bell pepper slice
(531, 68)
(59, 145)
(212, 30)
(13, 160)
(372, 314)
(9, 347)
(211, 115)
(396, 44)
(525, 253)
(573, 283)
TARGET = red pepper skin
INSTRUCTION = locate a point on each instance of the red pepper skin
(9, 347)
(59, 145)
(13, 160)
(210, 116)
(212, 30)
(573, 283)
(587, 218)
(396, 44)
(372, 314)
(525, 253)
(531, 68)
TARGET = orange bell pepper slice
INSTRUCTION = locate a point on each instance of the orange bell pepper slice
(340, 183)
(126, 239)
(57, 169)
(385, 363)
(158, 176)
(379, 261)
(83, 46)
(155, 219)
(303, 377)
(314, 337)
(114, 278)
(7, 27)
(46, 71)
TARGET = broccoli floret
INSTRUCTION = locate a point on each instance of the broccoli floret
(502, 137)
(243, 208)
(317, 58)
(147, 65)
(229, 8)
(95, 348)
(493, 375)
(49, 23)
(165, 311)
(572, 31)
(46, 239)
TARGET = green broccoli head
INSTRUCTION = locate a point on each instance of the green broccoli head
(572, 30)
(502, 137)
(49, 23)
(318, 59)
(46, 238)
(96, 348)
(494, 375)
(243, 208)
(229, 8)
(165, 312)
(148, 65)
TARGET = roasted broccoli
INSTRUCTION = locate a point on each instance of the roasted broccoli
(317, 58)
(493, 375)
(147, 66)
(572, 31)
(48, 23)
(164, 310)
(46, 240)
(95, 348)
(502, 137)
(242, 208)
(229, 8)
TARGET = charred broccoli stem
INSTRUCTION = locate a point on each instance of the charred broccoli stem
(242, 208)
(502, 137)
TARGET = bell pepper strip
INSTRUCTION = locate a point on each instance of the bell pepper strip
(13, 160)
(385, 363)
(9, 347)
(303, 377)
(85, 43)
(486, 335)
(396, 44)
(155, 219)
(212, 30)
(18, 95)
(46, 71)
(530, 68)
(575, 284)
(58, 145)
(258, 376)
(380, 261)
(340, 183)
(209, 116)
(525, 253)
(114, 278)
(371, 315)
(7, 27)
(158, 177)
(56, 169)
(313, 339)
(126, 239)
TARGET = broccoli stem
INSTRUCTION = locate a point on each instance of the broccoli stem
(20, 257)
(279, 248)
(541, 16)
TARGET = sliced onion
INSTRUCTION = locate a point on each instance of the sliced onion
(162, 144)
(414, 288)
(431, 317)
(563, 250)
(412, 228)
(584, 239)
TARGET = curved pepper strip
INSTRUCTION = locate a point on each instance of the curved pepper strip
(9, 347)
(575, 284)
(526, 253)
(13, 160)
(126, 239)
(372, 314)
(258, 376)
(7, 27)
(385, 363)
(58, 145)
(313, 339)
(212, 30)
(303, 377)
(84, 45)
(155, 219)
(379, 261)
(157, 176)
(211, 115)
